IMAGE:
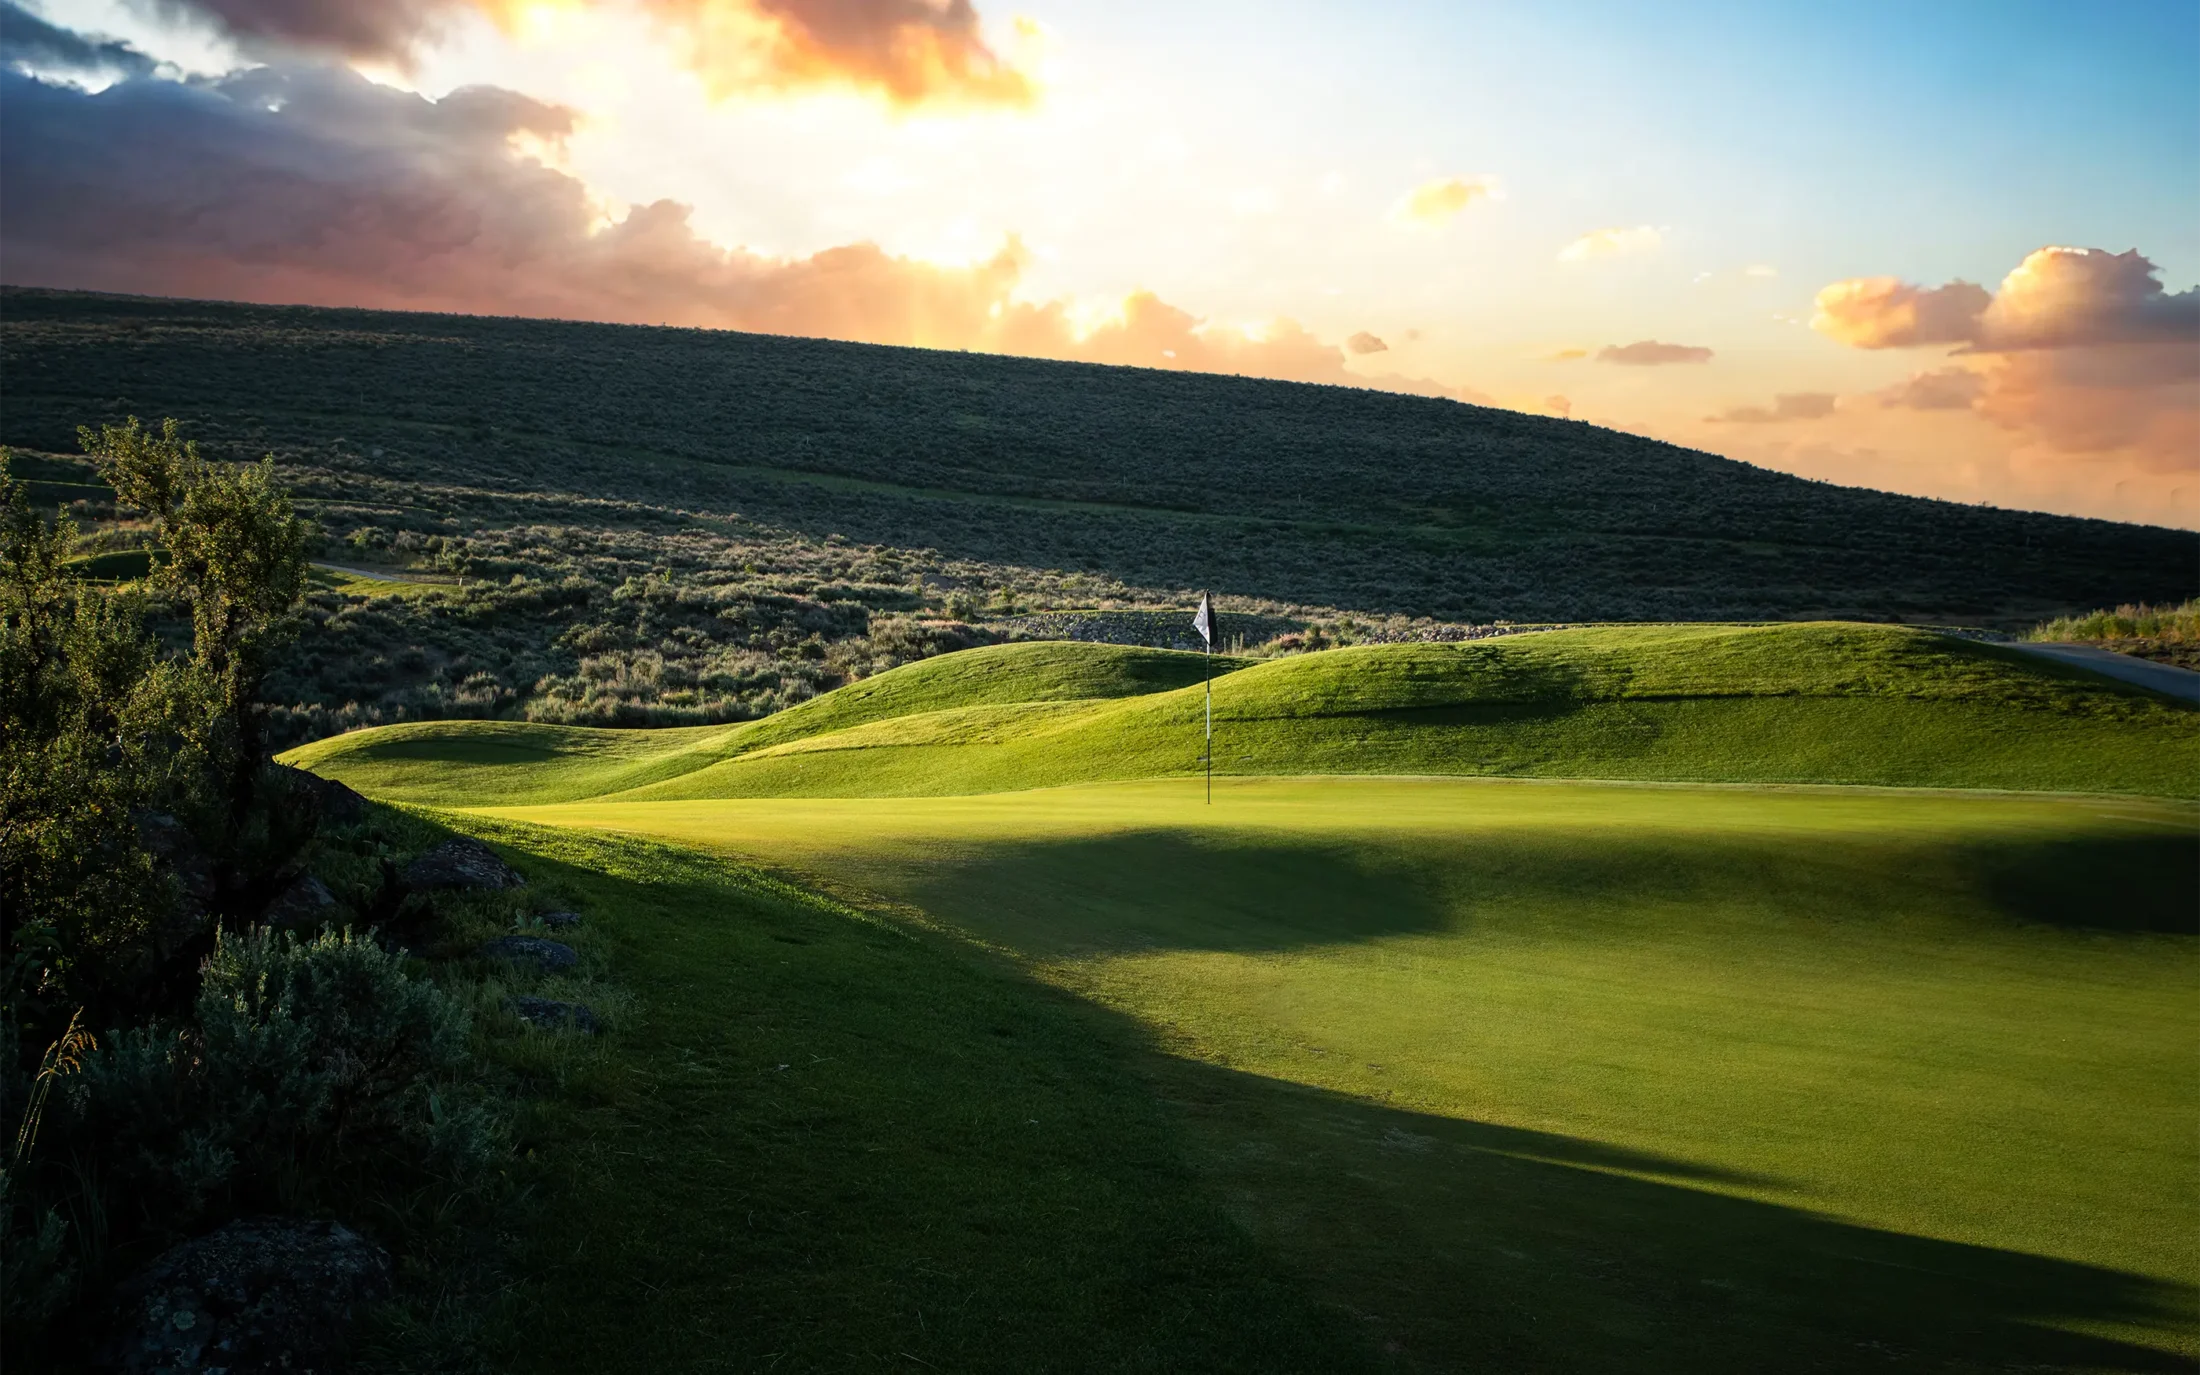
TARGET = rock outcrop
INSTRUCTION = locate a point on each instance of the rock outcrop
(462, 863)
(258, 1295)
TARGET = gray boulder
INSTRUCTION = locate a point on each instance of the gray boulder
(260, 1294)
(559, 921)
(178, 856)
(548, 956)
(336, 801)
(177, 852)
(306, 905)
(462, 863)
(552, 1015)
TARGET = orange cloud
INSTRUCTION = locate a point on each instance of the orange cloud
(1649, 353)
(1437, 202)
(1567, 356)
(1809, 405)
(1364, 343)
(2079, 350)
(1884, 313)
(912, 52)
(1939, 389)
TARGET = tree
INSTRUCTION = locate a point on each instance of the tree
(232, 551)
(87, 730)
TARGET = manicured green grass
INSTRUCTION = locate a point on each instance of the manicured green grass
(1824, 703)
(1525, 1076)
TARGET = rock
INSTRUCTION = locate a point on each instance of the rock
(337, 802)
(548, 956)
(559, 921)
(552, 1015)
(177, 855)
(260, 1294)
(462, 863)
(305, 905)
(176, 851)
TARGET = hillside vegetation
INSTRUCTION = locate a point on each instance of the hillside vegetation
(663, 526)
(1807, 703)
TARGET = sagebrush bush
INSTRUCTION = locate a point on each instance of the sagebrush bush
(304, 1056)
(322, 1038)
(2178, 624)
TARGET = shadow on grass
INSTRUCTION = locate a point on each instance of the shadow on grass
(1472, 1246)
(2147, 883)
(1254, 891)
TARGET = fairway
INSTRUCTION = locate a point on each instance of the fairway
(1582, 1076)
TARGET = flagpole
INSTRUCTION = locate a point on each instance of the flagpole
(1203, 621)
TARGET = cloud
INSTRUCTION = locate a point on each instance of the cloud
(1651, 353)
(913, 52)
(1612, 243)
(1365, 343)
(1558, 405)
(1566, 356)
(1937, 389)
(1808, 405)
(1885, 313)
(1760, 270)
(2079, 350)
(28, 43)
(1437, 202)
(313, 185)
(2072, 297)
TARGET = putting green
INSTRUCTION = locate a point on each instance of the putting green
(1823, 703)
(1851, 1065)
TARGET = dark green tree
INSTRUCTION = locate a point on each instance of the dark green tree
(90, 719)
(232, 553)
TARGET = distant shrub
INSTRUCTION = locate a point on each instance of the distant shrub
(2177, 624)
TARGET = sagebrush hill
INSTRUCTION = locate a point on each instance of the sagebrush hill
(640, 525)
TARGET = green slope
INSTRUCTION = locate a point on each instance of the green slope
(1810, 703)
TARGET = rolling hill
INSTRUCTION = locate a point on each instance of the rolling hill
(1803, 703)
(664, 526)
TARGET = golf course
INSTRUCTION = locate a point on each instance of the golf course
(1667, 998)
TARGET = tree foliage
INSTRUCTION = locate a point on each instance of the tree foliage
(102, 724)
(234, 558)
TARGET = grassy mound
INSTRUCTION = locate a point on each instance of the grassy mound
(1810, 703)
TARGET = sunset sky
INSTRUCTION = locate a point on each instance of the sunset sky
(1948, 248)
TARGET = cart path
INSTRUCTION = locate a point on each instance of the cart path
(2168, 679)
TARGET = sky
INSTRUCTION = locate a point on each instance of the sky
(1946, 249)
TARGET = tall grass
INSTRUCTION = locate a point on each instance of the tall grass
(2179, 624)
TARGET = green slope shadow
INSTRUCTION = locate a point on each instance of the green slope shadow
(1484, 1247)
(831, 1142)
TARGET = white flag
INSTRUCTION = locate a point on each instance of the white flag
(1204, 622)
